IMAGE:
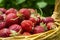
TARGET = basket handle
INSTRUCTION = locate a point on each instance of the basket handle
(56, 13)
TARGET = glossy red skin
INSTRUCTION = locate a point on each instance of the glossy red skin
(20, 19)
(15, 27)
(26, 34)
(47, 20)
(32, 10)
(33, 20)
(1, 17)
(9, 18)
(5, 32)
(2, 25)
(50, 25)
(3, 10)
(11, 10)
(38, 21)
(38, 29)
(27, 25)
(25, 12)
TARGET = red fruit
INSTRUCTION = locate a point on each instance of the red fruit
(15, 27)
(32, 10)
(25, 12)
(2, 25)
(5, 32)
(47, 20)
(50, 25)
(26, 34)
(11, 10)
(33, 20)
(38, 29)
(4, 17)
(38, 20)
(1, 17)
(36, 17)
(11, 19)
(3, 10)
(27, 25)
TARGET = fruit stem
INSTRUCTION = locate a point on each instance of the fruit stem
(15, 18)
(13, 33)
(43, 25)
(41, 12)
(1, 13)
(19, 32)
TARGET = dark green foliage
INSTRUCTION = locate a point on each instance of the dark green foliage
(46, 5)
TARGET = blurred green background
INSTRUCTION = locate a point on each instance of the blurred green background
(47, 6)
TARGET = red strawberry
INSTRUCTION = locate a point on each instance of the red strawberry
(33, 20)
(4, 17)
(25, 12)
(50, 25)
(38, 21)
(47, 20)
(1, 18)
(27, 25)
(36, 17)
(15, 27)
(38, 29)
(11, 19)
(26, 34)
(32, 10)
(3, 10)
(2, 25)
(11, 10)
(5, 32)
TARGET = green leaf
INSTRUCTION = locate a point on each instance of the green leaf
(1, 1)
(42, 4)
(20, 1)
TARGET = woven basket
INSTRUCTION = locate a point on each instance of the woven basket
(53, 34)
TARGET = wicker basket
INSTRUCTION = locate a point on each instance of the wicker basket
(49, 35)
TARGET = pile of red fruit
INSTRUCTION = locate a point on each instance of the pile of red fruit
(23, 22)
